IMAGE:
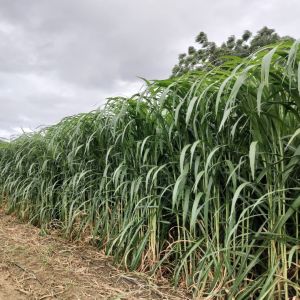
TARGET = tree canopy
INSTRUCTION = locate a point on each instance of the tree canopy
(209, 54)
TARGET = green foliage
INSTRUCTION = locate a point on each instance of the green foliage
(196, 179)
(3, 143)
(210, 55)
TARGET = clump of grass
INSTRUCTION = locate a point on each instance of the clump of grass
(197, 178)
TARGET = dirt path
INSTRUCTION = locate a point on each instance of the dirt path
(47, 267)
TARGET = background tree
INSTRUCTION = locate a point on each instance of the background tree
(209, 54)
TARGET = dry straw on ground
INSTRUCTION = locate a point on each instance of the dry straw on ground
(33, 266)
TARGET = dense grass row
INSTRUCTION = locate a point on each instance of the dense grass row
(196, 179)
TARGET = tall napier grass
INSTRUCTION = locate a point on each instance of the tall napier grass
(196, 179)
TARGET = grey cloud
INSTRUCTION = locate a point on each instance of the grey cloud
(59, 57)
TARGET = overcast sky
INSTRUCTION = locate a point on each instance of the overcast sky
(61, 57)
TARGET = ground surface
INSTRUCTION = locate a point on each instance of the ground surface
(33, 266)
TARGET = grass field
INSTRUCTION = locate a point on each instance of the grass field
(196, 179)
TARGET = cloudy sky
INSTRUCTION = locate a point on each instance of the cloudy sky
(61, 57)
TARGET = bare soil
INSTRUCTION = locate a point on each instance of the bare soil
(36, 266)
